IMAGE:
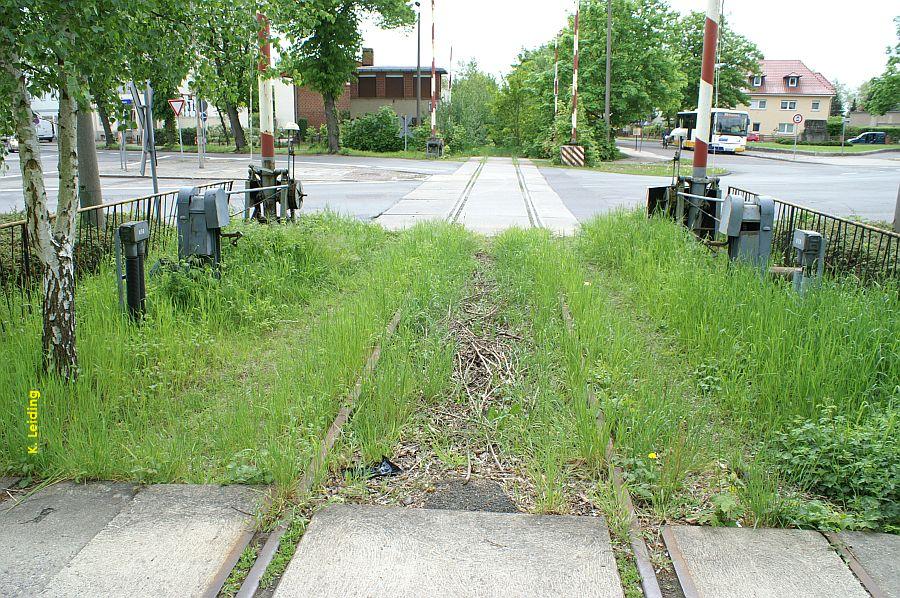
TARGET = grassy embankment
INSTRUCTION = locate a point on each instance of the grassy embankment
(730, 399)
(230, 380)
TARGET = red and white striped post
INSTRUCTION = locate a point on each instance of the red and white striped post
(574, 138)
(266, 118)
(433, 78)
(704, 101)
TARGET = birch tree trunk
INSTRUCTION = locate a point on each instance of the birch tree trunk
(52, 242)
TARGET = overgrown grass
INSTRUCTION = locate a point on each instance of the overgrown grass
(229, 380)
(661, 169)
(765, 360)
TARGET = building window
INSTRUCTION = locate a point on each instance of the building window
(756, 127)
(426, 86)
(757, 81)
(393, 86)
(788, 104)
(786, 128)
(367, 86)
(815, 105)
(758, 104)
(793, 81)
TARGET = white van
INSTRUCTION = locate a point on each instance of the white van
(46, 128)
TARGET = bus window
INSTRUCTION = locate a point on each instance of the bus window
(687, 120)
(729, 123)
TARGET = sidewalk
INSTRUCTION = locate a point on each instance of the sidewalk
(891, 159)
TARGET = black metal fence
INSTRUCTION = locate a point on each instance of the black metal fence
(854, 248)
(95, 235)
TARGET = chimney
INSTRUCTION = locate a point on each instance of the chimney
(368, 57)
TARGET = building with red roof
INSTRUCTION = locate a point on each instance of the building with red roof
(783, 89)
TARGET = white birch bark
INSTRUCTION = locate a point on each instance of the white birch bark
(52, 242)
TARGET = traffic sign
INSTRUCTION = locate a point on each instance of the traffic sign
(798, 118)
(203, 116)
(177, 105)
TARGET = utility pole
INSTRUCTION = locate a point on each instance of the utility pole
(574, 138)
(419, 69)
(556, 79)
(704, 109)
(606, 113)
(433, 78)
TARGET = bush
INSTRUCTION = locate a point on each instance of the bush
(790, 141)
(303, 126)
(852, 463)
(374, 132)
(456, 138)
(834, 130)
(588, 136)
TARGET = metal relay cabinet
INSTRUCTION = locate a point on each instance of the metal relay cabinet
(200, 220)
(749, 226)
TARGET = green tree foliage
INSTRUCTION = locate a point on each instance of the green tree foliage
(738, 56)
(374, 132)
(468, 114)
(225, 73)
(883, 92)
(838, 103)
(324, 42)
(523, 110)
(645, 70)
(646, 76)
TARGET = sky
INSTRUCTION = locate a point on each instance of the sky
(848, 46)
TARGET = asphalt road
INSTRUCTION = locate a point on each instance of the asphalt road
(866, 191)
(841, 188)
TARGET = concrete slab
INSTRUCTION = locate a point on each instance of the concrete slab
(431, 207)
(172, 540)
(353, 550)
(404, 221)
(41, 534)
(879, 554)
(758, 563)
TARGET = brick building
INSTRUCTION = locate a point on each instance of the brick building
(372, 88)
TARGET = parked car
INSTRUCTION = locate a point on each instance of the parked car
(752, 136)
(10, 144)
(869, 137)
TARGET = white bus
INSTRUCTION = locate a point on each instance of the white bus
(728, 130)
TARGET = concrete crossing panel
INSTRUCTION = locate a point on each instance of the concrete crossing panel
(758, 563)
(879, 554)
(356, 551)
(42, 533)
(172, 540)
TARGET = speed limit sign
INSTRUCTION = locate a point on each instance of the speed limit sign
(798, 118)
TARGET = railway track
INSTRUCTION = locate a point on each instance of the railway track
(456, 212)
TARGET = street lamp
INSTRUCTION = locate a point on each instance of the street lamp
(419, 69)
